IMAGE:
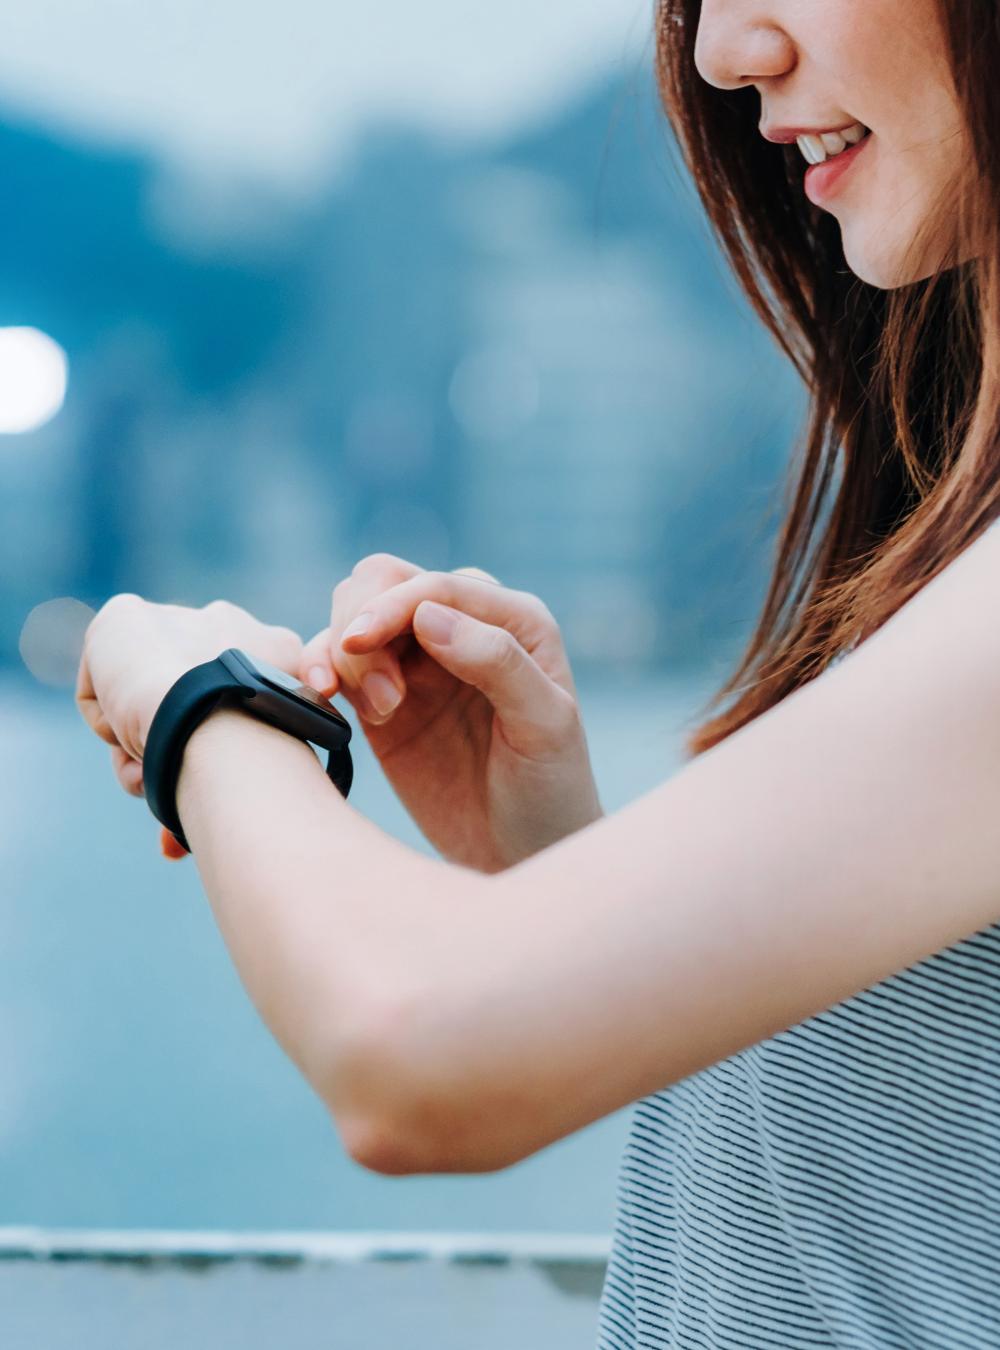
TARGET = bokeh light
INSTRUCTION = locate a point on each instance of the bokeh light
(52, 640)
(33, 375)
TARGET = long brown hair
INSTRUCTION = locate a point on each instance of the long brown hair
(899, 464)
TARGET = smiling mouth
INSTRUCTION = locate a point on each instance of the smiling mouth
(823, 180)
(827, 145)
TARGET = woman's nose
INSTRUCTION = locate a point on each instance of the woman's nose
(737, 44)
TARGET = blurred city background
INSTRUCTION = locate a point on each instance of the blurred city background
(280, 286)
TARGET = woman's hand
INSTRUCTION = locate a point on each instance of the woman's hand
(485, 746)
(134, 650)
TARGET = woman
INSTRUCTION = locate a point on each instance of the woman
(789, 954)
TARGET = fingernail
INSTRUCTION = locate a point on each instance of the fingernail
(319, 678)
(381, 693)
(360, 625)
(437, 622)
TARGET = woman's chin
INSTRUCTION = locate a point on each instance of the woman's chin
(890, 268)
(883, 271)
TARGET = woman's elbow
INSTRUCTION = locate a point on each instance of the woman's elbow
(394, 1149)
(379, 1148)
(398, 1114)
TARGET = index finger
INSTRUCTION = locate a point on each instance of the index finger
(354, 596)
(520, 612)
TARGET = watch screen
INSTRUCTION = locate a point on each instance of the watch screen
(280, 679)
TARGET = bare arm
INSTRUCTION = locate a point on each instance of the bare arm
(847, 833)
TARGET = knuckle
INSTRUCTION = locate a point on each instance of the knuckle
(504, 650)
(441, 583)
(477, 574)
(289, 647)
(370, 562)
(124, 600)
(381, 563)
(537, 607)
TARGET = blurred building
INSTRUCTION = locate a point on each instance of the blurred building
(526, 358)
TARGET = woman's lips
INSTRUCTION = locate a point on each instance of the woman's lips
(821, 179)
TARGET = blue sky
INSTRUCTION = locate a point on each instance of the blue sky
(274, 90)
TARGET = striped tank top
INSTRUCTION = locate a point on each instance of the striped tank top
(836, 1185)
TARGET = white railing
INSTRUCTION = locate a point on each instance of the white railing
(98, 1243)
(94, 1289)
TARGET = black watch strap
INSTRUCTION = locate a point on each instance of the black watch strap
(186, 705)
(197, 693)
(340, 770)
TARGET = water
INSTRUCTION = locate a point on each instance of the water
(138, 1087)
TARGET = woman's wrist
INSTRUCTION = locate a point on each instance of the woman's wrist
(227, 731)
(227, 724)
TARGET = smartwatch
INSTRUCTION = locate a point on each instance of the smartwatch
(235, 679)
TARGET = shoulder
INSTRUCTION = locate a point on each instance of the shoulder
(950, 626)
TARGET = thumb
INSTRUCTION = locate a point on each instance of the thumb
(315, 666)
(535, 712)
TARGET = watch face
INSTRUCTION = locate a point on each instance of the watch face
(288, 684)
(281, 678)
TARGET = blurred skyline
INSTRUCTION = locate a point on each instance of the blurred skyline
(539, 366)
(334, 281)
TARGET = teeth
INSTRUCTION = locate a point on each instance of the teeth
(816, 149)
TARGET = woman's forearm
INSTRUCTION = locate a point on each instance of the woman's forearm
(325, 915)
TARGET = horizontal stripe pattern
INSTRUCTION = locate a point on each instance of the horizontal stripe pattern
(837, 1185)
